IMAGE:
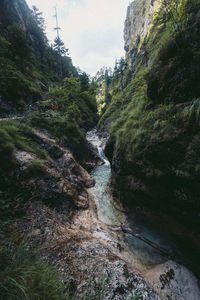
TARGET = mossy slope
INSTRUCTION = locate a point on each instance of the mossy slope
(154, 139)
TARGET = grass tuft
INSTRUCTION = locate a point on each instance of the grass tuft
(24, 276)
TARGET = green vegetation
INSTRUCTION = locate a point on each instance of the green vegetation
(11, 206)
(24, 276)
(27, 62)
(70, 110)
(154, 112)
(102, 81)
(16, 136)
(137, 108)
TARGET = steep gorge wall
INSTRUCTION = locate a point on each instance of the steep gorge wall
(139, 19)
(154, 140)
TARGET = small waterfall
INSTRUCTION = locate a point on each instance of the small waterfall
(101, 154)
(143, 254)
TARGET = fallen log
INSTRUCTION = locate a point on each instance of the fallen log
(168, 253)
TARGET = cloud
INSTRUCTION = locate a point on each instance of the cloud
(91, 29)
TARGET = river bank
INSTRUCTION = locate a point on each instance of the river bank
(142, 256)
(81, 233)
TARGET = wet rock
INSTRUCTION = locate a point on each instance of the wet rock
(173, 281)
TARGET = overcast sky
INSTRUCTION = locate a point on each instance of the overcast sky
(92, 30)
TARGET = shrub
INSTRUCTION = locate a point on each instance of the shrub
(64, 127)
(14, 135)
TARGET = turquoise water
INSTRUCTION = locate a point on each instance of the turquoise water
(144, 256)
(106, 212)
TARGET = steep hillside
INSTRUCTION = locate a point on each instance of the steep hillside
(28, 64)
(154, 111)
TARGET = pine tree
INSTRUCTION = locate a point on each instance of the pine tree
(59, 47)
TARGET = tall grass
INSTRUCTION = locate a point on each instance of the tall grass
(24, 276)
(192, 111)
(14, 135)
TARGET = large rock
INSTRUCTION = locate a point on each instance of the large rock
(62, 182)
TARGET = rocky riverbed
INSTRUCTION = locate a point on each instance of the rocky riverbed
(83, 240)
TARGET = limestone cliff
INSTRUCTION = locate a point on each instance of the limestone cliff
(18, 14)
(139, 19)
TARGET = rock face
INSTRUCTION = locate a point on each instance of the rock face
(162, 172)
(154, 143)
(60, 182)
(17, 15)
(173, 281)
(138, 22)
(60, 220)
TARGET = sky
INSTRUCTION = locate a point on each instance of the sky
(92, 30)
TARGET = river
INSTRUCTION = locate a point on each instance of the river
(144, 257)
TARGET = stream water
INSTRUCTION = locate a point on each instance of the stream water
(143, 255)
(137, 252)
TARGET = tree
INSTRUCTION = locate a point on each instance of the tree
(19, 47)
(37, 15)
(84, 80)
(174, 11)
(61, 51)
(59, 46)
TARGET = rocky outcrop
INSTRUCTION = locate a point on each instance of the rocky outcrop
(84, 252)
(18, 14)
(57, 180)
(138, 22)
(60, 219)
(173, 281)
(93, 258)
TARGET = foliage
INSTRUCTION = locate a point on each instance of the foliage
(15, 85)
(192, 111)
(27, 62)
(174, 72)
(18, 43)
(75, 102)
(134, 98)
(63, 126)
(24, 276)
(154, 117)
(11, 206)
(59, 46)
(102, 81)
(174, 11)
(37, 16)
(14, 135)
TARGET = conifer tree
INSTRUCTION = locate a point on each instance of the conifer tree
(59, 46)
